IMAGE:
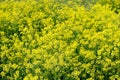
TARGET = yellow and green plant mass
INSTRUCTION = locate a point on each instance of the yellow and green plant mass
(59, 40)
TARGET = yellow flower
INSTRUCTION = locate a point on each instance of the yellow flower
(2, 73)
(108, 60)
(37, 71)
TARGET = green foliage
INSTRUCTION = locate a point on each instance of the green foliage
(59, 40)
(114, 4)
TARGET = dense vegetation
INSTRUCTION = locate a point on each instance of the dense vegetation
(59, 39)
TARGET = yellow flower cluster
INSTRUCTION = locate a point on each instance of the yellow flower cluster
(59, 40)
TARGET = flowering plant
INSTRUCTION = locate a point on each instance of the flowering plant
(59, 40)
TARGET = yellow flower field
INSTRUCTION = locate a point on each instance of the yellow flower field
(59, 40)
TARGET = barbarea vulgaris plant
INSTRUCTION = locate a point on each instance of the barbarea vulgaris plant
(59, 40)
